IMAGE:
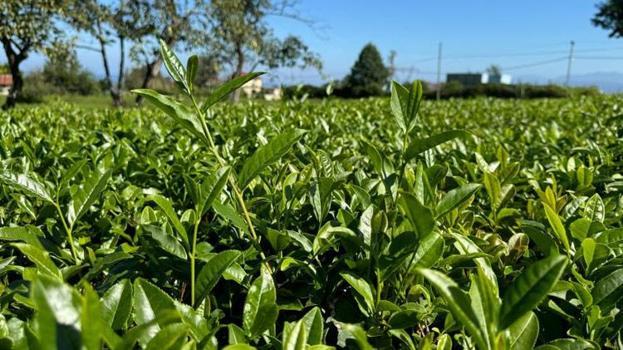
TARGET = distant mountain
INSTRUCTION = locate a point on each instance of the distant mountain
(606, 81)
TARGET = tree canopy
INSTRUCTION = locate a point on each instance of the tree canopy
(609, 16)
(368, 76)
(27, 26)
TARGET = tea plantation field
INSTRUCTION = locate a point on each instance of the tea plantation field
(381, 223)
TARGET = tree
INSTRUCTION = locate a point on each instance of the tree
(176, 23)
(108, 22)
(207, 71)
(66, 75)
(243, 39)
(134, 80)
(609, 16)
(494, 69)
(368, 76)
(27, 26)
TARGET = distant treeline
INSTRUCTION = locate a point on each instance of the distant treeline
(456, 90)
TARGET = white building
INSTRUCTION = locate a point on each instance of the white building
(252, 87)
(473, 79)
(274, 94)
(6, 81)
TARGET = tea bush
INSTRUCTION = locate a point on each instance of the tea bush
(381, 223)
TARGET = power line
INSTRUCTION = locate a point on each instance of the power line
(541, 53)
(534, 64)
(515, 54)
(600, 49)
(599, 57)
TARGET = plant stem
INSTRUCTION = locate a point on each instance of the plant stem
(231, 179)
(192, 263)
(68, 230)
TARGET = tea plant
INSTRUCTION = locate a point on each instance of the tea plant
(482, 224)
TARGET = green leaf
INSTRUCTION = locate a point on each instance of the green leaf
(165, 205)
(494, 189)
(295, 337)
(151, 304)
(235, 334)
(455, 198)
(260, 308)
(457, 301)
(27, 184)
(320, 196)
(557, 226)
(92, 327)
(530, 288)
(227, 88)
(429, 250)
(169, 337)
(174, 109)
(211, 188)
(314, 325)
(71, 172)
(405, 104)
(594, 209)
(192, 65)
(58, 314)
(40, 258)
(211, 272)
(483, 294)
(173, 65)
(580, 228)
(567, 344)
(166, 240)
(267, 154)
(363, 288)
(524, 332)
(147, 330)
(608, 290)
(418, 146)
(588, 251)
(227, 212)
(117, 305)
(421, 217)
(83, 197)
(328, 235)
(354, 332)
(467, 247)
(239, 347)
(26, 234)
(403, 319)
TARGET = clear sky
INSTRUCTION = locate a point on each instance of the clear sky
(474, 33)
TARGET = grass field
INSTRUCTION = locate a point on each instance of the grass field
(484, 223)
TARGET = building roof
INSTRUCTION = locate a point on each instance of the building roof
(6, 80)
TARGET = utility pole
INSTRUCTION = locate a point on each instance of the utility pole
(572, 45)
(439, 72)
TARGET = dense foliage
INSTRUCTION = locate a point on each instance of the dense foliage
(368, 75)
(384, 223)
(60, 75)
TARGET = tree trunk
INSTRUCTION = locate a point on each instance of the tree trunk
(153, 68)
(16, 89)
(14, 60)
(114, 94)
(150, 73)
(117, 100)
(239, 70)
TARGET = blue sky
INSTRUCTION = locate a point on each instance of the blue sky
(474, 33)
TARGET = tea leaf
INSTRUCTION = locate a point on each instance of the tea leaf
(529, 289)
